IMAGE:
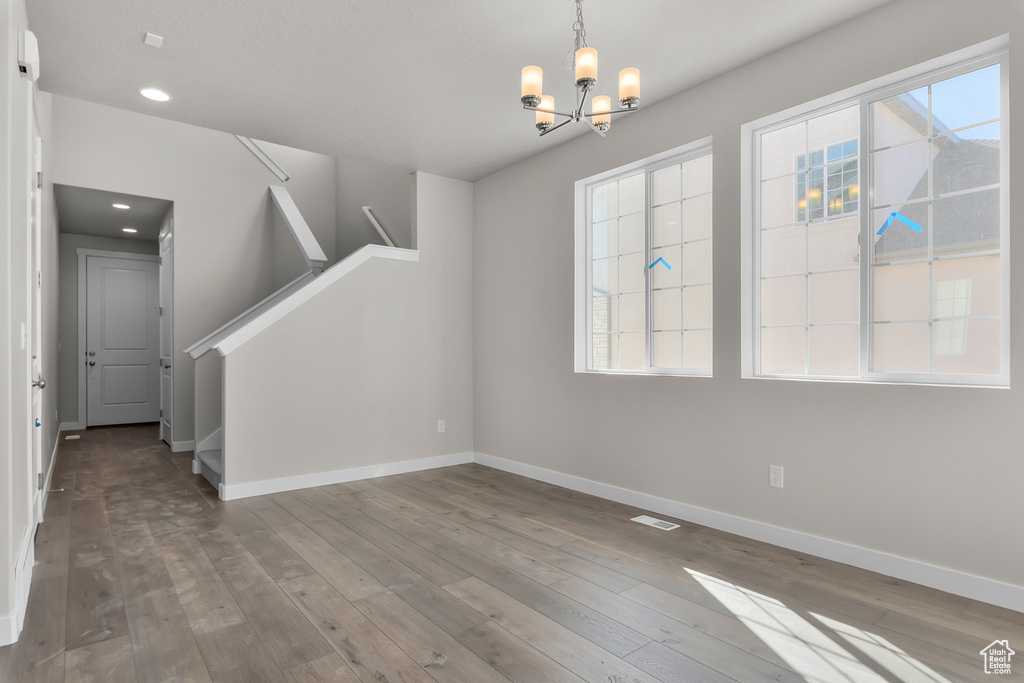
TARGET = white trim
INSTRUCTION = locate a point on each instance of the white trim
(941, 578)
(182, 446)
(39, 509)
(261, 154)
(311, 250)
(239, 321)
(305, 481)
(83, 254)
(325, 280)
(72, 426)
(11, 624)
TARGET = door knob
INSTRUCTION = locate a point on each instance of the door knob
(41, 383)
(167, 367)
(92, 362)
(92, 353)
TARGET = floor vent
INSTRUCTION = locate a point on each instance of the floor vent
(72, 437)
(656, 523)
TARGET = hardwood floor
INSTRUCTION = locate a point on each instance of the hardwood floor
(464, 574)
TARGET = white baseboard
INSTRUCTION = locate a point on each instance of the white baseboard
(71, 426)
(197, 467)
(941, 578)
(11, 624)
(39, 509)
(182, 446)
(305, 481)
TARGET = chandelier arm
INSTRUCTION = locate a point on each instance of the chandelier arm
(594, 128)
(545, 132)
(549, 111)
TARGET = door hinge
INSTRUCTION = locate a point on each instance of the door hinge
(40, 475)
(161, 412)
(39, 279)
(159, 310)
(39, 179)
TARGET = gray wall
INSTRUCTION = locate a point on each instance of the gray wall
(927, 473)
(223, 242)
(69, 360)
(387, 191)
(360, 374)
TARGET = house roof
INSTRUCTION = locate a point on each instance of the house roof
(430, 85)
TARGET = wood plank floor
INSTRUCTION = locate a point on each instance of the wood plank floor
(457, 575)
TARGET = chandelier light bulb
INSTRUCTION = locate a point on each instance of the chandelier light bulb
(586, 67)
(533, 79)
(602, 107)
(629, 87)
(546, 119)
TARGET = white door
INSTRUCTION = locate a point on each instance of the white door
(122, 341)
(166, 336)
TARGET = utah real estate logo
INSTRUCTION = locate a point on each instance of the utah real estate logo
(997, 657)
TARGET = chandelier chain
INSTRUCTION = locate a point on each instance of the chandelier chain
(569, 59)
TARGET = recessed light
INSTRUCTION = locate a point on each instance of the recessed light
(155, 94)
(129, 230)
(121, 206)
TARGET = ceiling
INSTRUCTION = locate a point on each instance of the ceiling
(428, 85)
(84, 211)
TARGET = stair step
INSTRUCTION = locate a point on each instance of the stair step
(211, 466)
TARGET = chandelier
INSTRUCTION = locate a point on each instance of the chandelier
(584, 64)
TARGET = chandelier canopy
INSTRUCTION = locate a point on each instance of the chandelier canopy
(584, 64)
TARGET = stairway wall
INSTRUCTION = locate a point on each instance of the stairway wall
(359, 375)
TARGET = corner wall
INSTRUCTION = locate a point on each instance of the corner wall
(930, 474)
(359, 375)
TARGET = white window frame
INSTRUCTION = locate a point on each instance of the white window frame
(988, 53)
(583, 357)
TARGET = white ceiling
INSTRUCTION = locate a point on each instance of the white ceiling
(429, 85)
(85, 211)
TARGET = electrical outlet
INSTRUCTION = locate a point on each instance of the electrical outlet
(775, 476)
(440, 426)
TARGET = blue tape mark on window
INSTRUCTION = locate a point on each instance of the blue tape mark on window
(896, 215)
(656, 263)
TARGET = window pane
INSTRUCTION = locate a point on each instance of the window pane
(602, 351)
(900, 119)
(967, 223)
(964, 100)
(901, 292)
(697, 263)
(667, 349)
(783, 252)
(833, 245)
(667, 228)
(632, 314)
(631, 233)
(605, 238)
(605, 201)
(783, 350)
(900, 240)
(967, 159)
(661, 276)
(601, 311)
(697, 218)
(697, 174)
(967, 286)
(697, 307)
(697, 350)
(632, 355)
(834, 297)
(779, 202)
(900, 347)
(966, 347)
(784, 302)
(631, 272)
(606, 276)
(901, 173)
(631, 194)
(666, 185)
(829, 129)
(780, 148)
(666, 310)
(834, 350)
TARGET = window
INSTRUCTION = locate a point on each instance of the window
(643, 245)
(876, 231)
